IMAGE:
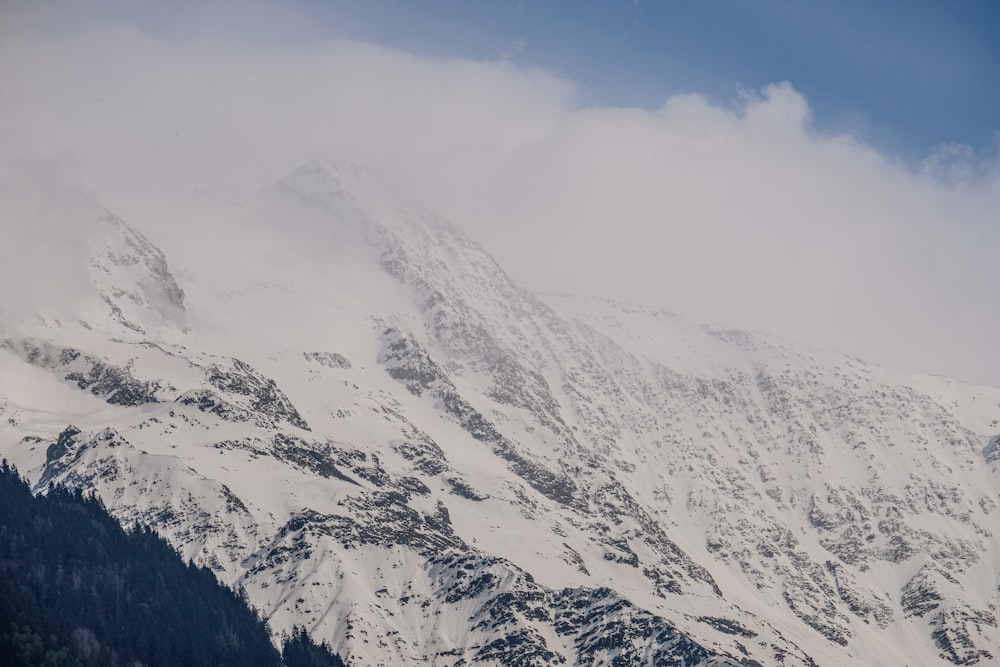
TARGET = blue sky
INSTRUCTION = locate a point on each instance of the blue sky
(905, 75)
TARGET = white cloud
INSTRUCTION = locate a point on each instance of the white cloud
(42, 223)
(737, 214)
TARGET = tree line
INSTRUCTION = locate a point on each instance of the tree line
(76, 590)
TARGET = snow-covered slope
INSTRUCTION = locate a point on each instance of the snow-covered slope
(339, 402)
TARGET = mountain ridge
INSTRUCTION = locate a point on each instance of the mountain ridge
(366, 412)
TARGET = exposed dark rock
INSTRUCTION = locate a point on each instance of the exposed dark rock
(59, 456)
(265, 397)
(377, 518)
(953, 635)
(427, 457)
(728, 626)
(992, 450)
(920, 594)
(461, 488)
(608, 630)
(329, 359)
(315, 457)
(407, 361)
(115, 384)
(863, 604)
(413, 485)
(211, 402)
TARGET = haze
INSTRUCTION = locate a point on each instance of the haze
(741, 212)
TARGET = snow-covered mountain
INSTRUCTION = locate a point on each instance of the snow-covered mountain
(340, 403)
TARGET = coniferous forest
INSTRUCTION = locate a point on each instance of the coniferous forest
(77, 590)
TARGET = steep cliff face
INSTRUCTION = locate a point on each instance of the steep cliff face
(350, 410)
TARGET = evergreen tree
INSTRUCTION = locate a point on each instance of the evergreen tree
(76, 590)
(299, 650)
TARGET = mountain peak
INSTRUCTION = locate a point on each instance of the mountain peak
(382, 437)
(320, 180)
(95, 264)
(132, 277)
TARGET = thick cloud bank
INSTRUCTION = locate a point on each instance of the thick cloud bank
(739, 214)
